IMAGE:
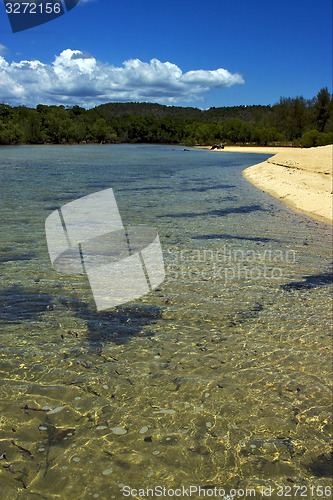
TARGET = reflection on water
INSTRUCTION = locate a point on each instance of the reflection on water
(230, 237)
(219, 213)
(218, 378)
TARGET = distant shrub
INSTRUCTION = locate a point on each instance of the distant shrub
(314, 138)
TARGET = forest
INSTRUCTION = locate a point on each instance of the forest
(290, 122)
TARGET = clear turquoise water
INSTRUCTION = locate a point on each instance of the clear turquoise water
(220, 377)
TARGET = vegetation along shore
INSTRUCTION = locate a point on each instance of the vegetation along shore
(291, 122)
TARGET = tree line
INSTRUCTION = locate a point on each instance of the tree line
(292, 121)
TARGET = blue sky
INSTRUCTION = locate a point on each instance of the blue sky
(181, 52)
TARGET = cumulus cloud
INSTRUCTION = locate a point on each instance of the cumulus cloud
(76, 77)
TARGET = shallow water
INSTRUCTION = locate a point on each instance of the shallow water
(221, 377)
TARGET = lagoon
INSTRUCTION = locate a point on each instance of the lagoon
(220, 377)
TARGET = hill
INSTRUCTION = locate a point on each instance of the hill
(248, 114)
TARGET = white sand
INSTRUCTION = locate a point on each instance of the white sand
(299, 177)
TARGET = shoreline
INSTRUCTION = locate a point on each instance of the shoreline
(251, 149)
(301, 178)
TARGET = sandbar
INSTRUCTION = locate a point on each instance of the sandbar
(299, 177)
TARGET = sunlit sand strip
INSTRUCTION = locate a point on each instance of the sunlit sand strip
(300, 178)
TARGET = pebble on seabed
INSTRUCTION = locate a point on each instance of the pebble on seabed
(55, 410)
(166, 411)
(118, 430)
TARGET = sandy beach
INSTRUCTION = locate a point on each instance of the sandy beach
(299, 177)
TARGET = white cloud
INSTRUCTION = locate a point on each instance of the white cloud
(78, 78)
(3, 49)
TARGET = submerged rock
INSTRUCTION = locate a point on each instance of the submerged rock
(118, 430)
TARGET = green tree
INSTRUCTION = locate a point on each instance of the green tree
(291, 116)
(322, 104)
(314, 138)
